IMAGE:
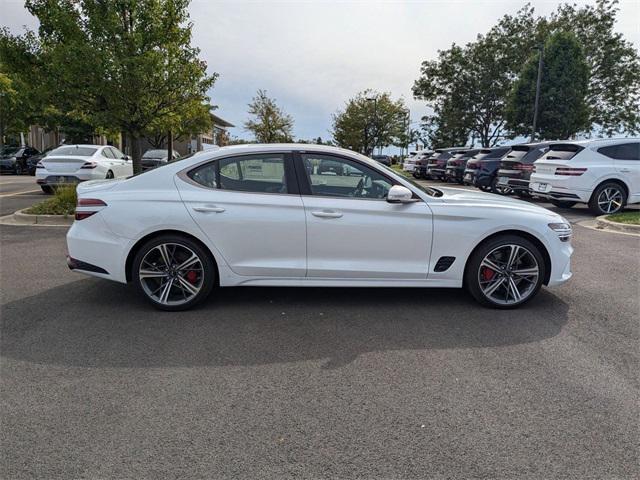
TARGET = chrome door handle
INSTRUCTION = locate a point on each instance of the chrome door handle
(212, 209)
(326, 214)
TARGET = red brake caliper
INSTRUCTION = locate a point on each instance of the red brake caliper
(192, 276)
(487, 273)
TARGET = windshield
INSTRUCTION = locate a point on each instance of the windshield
(9, 151)
(154, 154)
(74, 151)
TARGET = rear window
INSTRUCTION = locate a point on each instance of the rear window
(73, 151)
(625, 151)
(562, 152)
(499, 153)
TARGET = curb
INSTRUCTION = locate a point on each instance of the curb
(21, 218)
(605, 224)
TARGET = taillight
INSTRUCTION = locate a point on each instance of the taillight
(524, 167)
(89, 165)
(572, 172)
(88, 206)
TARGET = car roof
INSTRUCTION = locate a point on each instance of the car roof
(596, 141)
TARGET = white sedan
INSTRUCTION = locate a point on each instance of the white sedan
(70, 164)
(268, 215)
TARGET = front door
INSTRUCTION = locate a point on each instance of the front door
(250, 208)
(352, 231)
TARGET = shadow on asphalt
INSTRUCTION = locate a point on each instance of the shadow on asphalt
(96, 323)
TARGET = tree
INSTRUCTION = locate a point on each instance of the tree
(563, 110)
(271, 124)
(143, 69)
(369, 120)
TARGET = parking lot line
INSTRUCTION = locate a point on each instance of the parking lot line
(13, 194)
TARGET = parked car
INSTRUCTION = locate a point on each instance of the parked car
(258, 215)
(481, 172)
(604, 173)
(457, 164)
(408, 162)
(437, 163)
(156, 158)
(515, 169)
(420, 161)
(15, 159)
(383, 159)
(32, 162)
(71, 164)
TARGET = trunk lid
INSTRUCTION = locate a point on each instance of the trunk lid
(64, 164)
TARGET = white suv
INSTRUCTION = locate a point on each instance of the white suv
(604, 173)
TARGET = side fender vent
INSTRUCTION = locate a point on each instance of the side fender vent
(444, 263)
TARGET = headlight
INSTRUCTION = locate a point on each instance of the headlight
(563, 229)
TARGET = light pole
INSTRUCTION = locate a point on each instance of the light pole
(540, 48)
(375, 119)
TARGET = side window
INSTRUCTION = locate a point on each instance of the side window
(106, 152)
(116, 153)
(340, 177)
(625, 151)
(260, 173)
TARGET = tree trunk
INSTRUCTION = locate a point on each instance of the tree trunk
(169, 146)
(136, 154)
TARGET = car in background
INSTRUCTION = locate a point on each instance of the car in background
(419, 161)
(408, 162)
(32, 162)
(15, 159)
(258, 215)
(155, 158)
(481, 172)
(456, 165)
(71, 164)
(603, 173)
(383, 159)
(516, 168)
(437, 163)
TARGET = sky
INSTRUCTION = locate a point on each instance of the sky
(312, 56)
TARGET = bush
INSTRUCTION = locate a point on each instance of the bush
(62, 203)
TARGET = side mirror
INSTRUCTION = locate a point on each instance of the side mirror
(400, 194)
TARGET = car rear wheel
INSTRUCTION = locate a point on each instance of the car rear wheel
(562, 203)
(505, 272)
(608, 198)
(173, 272)
(499, 189)
(47, 189)
(109, 175)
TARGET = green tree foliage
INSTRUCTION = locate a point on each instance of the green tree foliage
(125, 65)
(370, 120)
(270, 124)
(11, 121)
(467, 87)
(563, 110)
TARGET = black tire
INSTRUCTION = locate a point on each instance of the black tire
(208, 275)
(563, 203)
(109, 175)
(499, 190)
(474, 263)
(595, 202)
(416, 175)
(47, 189)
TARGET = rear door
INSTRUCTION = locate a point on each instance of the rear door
(250, 208)
(626, 158)
(352, 231)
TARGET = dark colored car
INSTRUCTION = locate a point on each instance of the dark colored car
(482, 169)
(516, 168)
(14, 159)
(32, 162)
(435, 165)
(456, 165)
(331, 167)
(383, 159)
(155, 158)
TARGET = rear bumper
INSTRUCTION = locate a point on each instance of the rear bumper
(554, 192)
(49, 178)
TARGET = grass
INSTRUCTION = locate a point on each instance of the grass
(62, 203)
(398, 169)
(630, 218)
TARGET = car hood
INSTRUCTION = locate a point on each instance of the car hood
(490, 200)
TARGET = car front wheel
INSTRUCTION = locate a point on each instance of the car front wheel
(173, 272)
(505, 272)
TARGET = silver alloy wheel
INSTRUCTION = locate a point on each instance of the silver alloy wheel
(508, 274)
(610, 200)
(171, 274)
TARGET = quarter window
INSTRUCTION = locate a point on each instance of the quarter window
(339, 177)
(625, 151)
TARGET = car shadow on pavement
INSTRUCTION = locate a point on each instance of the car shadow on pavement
(96, 323)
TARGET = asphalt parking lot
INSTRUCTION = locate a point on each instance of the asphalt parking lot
(316, 383)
